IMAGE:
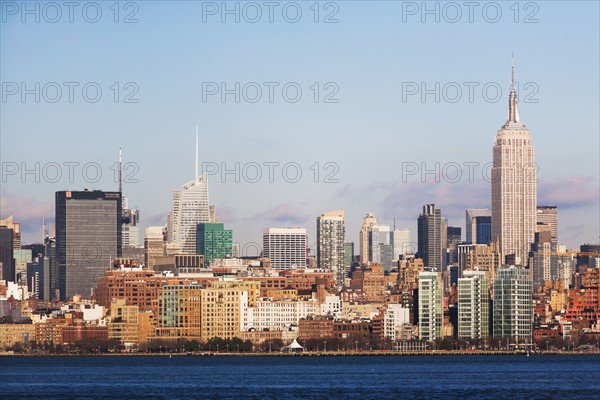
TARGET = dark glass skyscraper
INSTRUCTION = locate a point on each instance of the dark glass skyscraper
(430, 237)
(7, 257)
(483, 230)
(88, 236)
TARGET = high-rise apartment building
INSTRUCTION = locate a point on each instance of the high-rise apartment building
(331, 234)
(430, 306)
(430, 237)
(88, 237)
(514, 182)
(285, 247)
(513, 307)
(190, 208)
(473, 305)
(213, 241)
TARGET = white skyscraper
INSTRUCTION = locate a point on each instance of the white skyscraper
(473, 305)
(285, 247)
(430, 306)
(190, 207)
(331, 233)
(514, 181)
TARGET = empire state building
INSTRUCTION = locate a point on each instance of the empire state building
(514, 181)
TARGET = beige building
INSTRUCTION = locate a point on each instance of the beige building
(221, 309)
(154, 245)
(124, 322)
(225, 308)
(179, 312)
(514, 183)
(369, 221)
(481, 257)
(11, 334)
(408, 273)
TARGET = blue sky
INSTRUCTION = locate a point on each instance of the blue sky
(366, 61)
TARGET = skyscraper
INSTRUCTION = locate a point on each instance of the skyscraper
(453, 239)
(331, 233)
(285, 247)
(190, 208)
(473, 305)
(7, 258)
(131, 229)
(380, 246)
(368, 222)
(213, 241)
(430, 306)
(430, 237)
(478, 226)
(401, 243)
(514, 179)
(88, 236)
(154, 244)
(513, 308)
(548, 215)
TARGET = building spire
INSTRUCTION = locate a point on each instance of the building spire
(120, 174)
(513, 111)
(196, 165)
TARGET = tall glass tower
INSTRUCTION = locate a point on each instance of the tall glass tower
(190, 208)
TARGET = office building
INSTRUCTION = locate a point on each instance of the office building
(430, 237)
(190, 208)
(363, 237)
(154, 244)
(478, 226)
(514, 186)
(213, 241)
(88, 237)
(285, 247)
(548, 215)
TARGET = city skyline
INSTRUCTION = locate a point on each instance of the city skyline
(399, 135)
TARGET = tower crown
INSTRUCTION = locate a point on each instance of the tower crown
(513, 119)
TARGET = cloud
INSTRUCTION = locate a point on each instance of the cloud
(29, 212)
(569, 192)
(283, 214)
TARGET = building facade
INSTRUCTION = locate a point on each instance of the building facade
(285, 247)
(190, 208)
(363, 237)
(88, 237)
(473, 305)
(430, 306)
(513, 307)
(430, 237)
(514, 185)
(331, 234)
(213, 241)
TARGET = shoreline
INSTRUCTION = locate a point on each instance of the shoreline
(429, 353)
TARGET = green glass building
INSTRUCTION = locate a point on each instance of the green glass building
(213, 241)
